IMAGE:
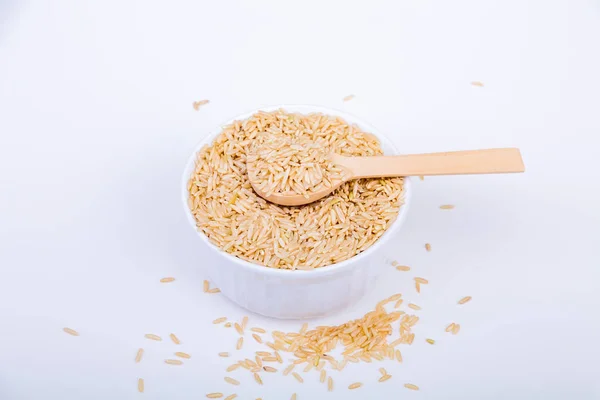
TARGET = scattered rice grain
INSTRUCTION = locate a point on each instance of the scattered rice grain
(298, 377)
(231, 380)
(411, 386)
(173, 362)
(138, 355)
(152, 336)
(182, 354)
(167, 280)
(141, 385)
(465, 300)
(71, 332)
(355, 385)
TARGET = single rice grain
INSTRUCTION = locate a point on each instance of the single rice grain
(446, 207)
(152, 336)
(231, 397)
(198, 104)
(232, 381)
(411, 386)
(219, 320)
(206, 286)
(232, 367)
(138, 355)
(174, 339)
(223, 354)
(141, 385)
(355, 385)
(330, 384)
(322, 376)
(214, 395)
(257, 378)
(427, 246)
(348, 98)
(258, 330)
(298, 377)
(430, 341)
(465, 300)
(167, 280)
(403, 268)
(385, 378)
(173, 362)
(182, 354)
(414, 306)
(71, 332)
(239, 343)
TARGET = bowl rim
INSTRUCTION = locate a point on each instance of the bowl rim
(286, 273)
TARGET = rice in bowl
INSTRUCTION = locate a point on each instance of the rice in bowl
(234, 218)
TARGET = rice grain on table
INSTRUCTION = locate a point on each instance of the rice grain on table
(455, 329)
(232, 367)
(152, 336)
(244, 322)
(257, 338)
(227, 325)
(213, 290)
(446, 207)
(231, 397)
(413, 306)
(258, 330)
(427, 246)
(384, 378)
(269, 369)
(219, 320)
(141, 385)
(173, 362)
(239, 343)
(167, 280)
(278, 357)
(465, 300)
(403, 268)
(322, 376)
(258, 379)
(298, 377)
(200, 103)
(355, 385)
(450, 327)
(174, 339)
(477, 83)
(223, 354)
(398, 355)
(232, 381)
(330, 384)
(411, 386)
(214, 395)
(71, 332)
(430, 341)
(293, 397)
(182, 354)
(288, 369)
(422, 280)
(138, 355)
(206, 285)
(348, 98)
(322, 233)
(238, 328)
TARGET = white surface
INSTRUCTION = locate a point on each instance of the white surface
(301, 294)
(96, 123)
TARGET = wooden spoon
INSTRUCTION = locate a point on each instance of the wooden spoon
(489, 161)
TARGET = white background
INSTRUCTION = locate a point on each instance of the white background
(96, 123)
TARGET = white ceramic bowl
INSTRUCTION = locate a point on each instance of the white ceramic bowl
(295, 294)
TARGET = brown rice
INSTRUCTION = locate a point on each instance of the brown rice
(71, 332)
(322, 233)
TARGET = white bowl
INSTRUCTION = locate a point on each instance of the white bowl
(281, 293)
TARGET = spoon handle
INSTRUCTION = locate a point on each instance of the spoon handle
(489, 161)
